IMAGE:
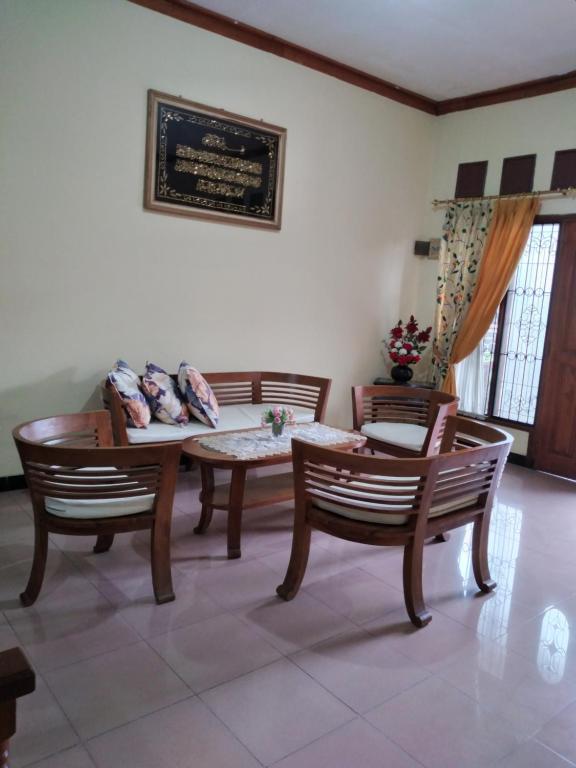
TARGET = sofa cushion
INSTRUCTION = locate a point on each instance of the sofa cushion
(245, 416)
(365, 509)
(198, 395)
(127, 384)
(410, 436)
(255, 411)
(163, 396)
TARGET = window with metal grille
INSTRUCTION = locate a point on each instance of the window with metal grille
(502, 376)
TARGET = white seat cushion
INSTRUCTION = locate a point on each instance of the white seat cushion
(409, 436)
(245, 416)
(362, 509)
(88, 509)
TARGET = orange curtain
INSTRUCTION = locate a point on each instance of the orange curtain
(507, 236)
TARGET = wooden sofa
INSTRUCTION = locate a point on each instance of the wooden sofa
(242, 397)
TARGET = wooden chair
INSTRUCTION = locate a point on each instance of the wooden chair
(17, 679)
(402, 421)
(399, 502)
(82, 486)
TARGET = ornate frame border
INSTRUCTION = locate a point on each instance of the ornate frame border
(227, 212)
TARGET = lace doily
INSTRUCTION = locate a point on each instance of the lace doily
(258, 443)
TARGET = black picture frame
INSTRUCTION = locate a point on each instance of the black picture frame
(211, 164)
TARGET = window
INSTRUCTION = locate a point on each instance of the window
(501, 377)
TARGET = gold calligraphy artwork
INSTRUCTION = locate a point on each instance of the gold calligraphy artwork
(222, 165)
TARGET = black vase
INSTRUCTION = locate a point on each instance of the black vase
(401, 373)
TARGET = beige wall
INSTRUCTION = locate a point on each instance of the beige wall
(87, 275)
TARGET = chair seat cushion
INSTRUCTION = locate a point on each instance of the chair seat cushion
(245, 416)
(365, 510)
(88, 509)
(410, 436)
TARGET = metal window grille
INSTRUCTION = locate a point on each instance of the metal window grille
(513, 348)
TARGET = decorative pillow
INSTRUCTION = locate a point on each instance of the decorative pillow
(198, 395)
(163, 396)
(126, 382)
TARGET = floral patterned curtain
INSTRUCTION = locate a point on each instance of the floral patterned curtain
(463, 241)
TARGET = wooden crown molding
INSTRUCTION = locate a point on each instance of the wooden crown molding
(510, 93)
(257, 38)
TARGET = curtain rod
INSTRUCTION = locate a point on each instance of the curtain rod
(567, 192)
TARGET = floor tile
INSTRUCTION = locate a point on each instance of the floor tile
(185, 735)
(354, 744)
(136, 605)
(296, 624)
(77, 757)
(68, 624)
(357, 595)
(434, 646)
(214, 651)
(510, 686)
(559, 734)
(531, 754)
(114, 688)
(442, 727)
(276, 710)
(360, 669)
(43, 729)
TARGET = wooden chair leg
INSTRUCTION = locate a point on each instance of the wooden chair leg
(412, 575)
(4, 754)
(480, 555)
(30, 594)
(298, 561)
(161, 566)
(103, 543)
(206, 497)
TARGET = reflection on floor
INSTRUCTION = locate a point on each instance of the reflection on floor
(228, 676)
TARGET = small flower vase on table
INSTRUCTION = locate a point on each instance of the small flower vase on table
(278, 416)
(277, 428)
(405, 347)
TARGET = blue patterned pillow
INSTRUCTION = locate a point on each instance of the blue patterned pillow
(200, 399)
(127, 384)
(163, 396)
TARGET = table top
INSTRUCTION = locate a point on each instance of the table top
(194, 449)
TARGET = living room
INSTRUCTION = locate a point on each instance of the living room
(90, 275)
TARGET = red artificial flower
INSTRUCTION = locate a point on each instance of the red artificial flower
(396, 332)
(412, 325)
(408, 346)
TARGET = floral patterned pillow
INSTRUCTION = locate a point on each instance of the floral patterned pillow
(127, 384)
(198, 395)
(163, 396)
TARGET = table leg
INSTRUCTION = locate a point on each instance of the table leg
(235, 504)
(206, 497)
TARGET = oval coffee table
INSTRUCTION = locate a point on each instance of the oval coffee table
(245, 492)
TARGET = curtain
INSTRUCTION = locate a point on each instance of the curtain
(463, 243)
(507, 236)
(471, 382)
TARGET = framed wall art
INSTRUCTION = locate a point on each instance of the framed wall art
(212, 164)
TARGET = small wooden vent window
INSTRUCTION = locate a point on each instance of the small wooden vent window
(564, 173)
(517, 174)
(471, 179)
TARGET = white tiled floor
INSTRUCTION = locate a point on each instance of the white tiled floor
(229, 676)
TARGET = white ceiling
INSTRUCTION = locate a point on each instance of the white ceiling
(438, 48)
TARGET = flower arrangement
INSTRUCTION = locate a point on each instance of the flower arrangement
(407, 342)
(278, 416)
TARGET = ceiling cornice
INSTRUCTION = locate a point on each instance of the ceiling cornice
(257, 38)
